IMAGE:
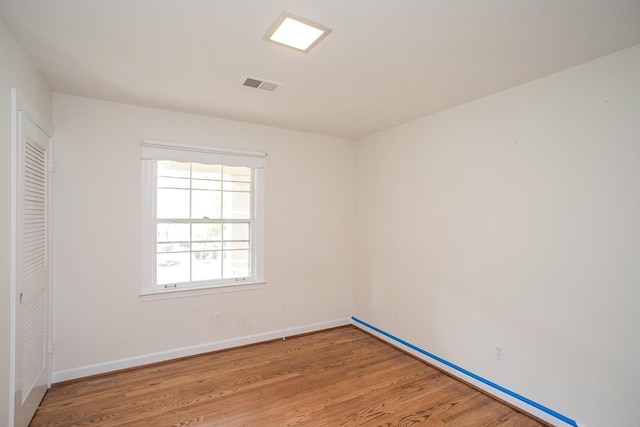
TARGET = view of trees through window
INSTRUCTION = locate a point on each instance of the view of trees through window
(204, 218)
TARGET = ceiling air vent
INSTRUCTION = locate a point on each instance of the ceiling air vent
(258, 83)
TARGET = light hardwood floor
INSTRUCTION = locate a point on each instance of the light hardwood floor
(337, 377)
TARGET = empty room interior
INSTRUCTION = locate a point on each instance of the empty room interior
(457, 179)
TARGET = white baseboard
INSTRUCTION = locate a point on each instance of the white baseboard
(101, 368)
(492, 389)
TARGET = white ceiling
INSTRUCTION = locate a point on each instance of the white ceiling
(385, 63)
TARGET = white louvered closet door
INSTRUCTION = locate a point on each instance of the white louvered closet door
(32, 275)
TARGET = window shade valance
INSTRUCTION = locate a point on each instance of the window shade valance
(157, 150)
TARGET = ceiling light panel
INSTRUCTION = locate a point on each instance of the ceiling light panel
(296, 32)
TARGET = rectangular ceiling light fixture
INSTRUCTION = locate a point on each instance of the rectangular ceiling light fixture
(296, 32)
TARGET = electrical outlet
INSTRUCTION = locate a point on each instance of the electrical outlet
(499, 352)
(217, 318)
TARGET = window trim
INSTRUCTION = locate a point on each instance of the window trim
(156, 150)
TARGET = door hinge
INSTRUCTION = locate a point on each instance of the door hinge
(50, 165)
(50, 347)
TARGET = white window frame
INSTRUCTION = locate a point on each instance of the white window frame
(157, 150)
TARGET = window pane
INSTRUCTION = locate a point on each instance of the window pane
(236, 264)
(204, 184)
(205, 204)
(236, 205)
(173, 169)
(237, 173)
(236, 186)
(167, 232)
(206, 232)
(173, 203)
(206, 265)
(174, 247)
(172, 268)
(212, 172)
(236, 231)
(173, 182)
(237, 245)
(206, 246)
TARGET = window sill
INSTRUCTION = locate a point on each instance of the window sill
(203, 290)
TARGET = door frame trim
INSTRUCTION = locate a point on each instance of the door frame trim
(19, 104)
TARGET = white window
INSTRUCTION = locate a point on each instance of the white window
(202, 219)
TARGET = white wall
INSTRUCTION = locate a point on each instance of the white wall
(15, 71)
(515, 220)
(99, 317)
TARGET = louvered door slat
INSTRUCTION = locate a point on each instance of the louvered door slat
(33, 342)
(34, 244)
(34, 210)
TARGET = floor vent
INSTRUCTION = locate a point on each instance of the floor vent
(258, 83)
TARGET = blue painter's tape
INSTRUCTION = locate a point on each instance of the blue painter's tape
(471, 374)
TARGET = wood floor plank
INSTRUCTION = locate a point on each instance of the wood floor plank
(338, 377)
